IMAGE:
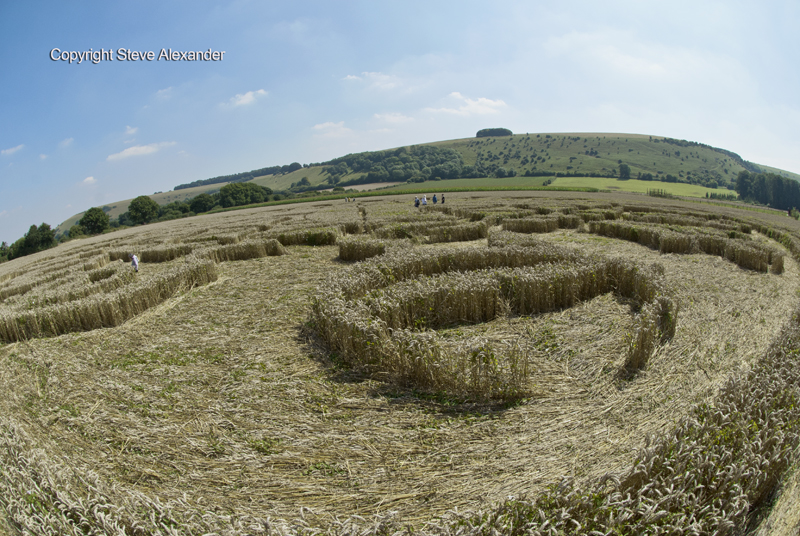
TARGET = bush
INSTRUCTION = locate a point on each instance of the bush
(202, 203)
(76, 231)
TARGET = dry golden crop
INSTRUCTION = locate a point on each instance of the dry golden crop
(498, 366)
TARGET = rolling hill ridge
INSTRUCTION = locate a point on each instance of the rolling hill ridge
(530, 159)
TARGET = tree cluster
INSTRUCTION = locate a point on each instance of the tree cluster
(238, 194)
(36, 239)
(412, 164)
(488, 132)
(768, 189)
(144, 210)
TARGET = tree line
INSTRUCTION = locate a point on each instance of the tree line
(768, 189)
(36, 239)
(245, 176)
(143, 209)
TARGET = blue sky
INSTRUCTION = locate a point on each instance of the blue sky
(308, 81)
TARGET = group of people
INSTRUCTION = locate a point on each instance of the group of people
(424, 201)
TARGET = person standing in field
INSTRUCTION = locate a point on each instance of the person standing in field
(134, 261)
(424, 200)
(416, 201)
(434, 199)
(443, 199)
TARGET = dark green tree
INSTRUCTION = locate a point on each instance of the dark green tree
(76, 230)
(486, 132)
(239, 193)
(202, 203)
(36, 239)
(624, 171)
(143, 210)
(744, 185)
(95, 221)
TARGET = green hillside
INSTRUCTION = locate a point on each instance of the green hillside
(781, 172)
(162, 198)
(530, 159)
(549, 155)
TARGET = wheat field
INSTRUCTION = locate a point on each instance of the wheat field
(508, 363)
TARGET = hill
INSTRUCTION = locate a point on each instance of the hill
(534, 155)
(532, 158)
(162, 198)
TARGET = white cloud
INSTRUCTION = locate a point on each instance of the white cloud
(12, 150)
(394, 117)
(139, 150)
(382, 81)
(247, 98)
(479, 106)
(377, 80)
(332, 130)
(66, 143)
(164, 93)
(3, 214)
(89, 180)
(130, 131)
(42, 157)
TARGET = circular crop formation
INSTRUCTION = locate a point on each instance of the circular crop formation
(382, 314)
(103, 291)
(500, 343)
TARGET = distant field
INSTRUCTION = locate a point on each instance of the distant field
(284, 182)
(604, 183)
(508, 182)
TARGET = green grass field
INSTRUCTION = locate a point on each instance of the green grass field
(508, 182)
(615, 185)
(283, 182)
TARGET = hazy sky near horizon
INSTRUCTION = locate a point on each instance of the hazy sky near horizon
(307, 81)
